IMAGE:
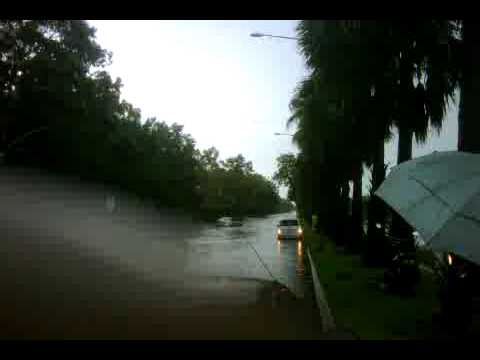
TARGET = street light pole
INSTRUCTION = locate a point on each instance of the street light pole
(256, 34)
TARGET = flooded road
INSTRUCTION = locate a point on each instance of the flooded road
(250, 251)
(74, 264)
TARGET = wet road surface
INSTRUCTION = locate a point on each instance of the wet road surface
(70, 267)
(251, 251)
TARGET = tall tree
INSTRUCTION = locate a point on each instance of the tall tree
(328, 46)
(400, 76)
(62, 111)
(421, 50)
(468, 121)
(285, 174)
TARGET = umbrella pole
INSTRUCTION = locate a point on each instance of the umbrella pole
(402, 230)
(375, 251)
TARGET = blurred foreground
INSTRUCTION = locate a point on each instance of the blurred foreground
(76, 264)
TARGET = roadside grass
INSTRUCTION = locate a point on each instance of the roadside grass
(359, 305)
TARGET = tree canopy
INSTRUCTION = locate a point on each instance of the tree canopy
(366, 78)
(61, 110)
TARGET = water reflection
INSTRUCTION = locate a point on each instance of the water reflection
(289, 265)
(300, 268)
(235, 252)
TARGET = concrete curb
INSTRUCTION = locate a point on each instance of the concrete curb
(328, 323)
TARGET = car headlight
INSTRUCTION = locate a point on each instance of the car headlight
(279, 232)
(300, 231)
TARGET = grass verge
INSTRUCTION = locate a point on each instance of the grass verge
(359, 305)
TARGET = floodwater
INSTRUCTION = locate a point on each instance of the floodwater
(82, 261)
(250, 251)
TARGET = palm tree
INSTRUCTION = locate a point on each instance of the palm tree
(380, 120)
(328, 47)
(330, 124)
(318, 172)
(401, 71)
(302, 113)
(311, 107)
(468, 124)
(423, 88)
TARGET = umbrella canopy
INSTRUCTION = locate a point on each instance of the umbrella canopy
(439, 195)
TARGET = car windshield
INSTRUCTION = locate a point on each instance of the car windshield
(291, 222)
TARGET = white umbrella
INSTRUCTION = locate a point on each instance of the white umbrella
(439, 195)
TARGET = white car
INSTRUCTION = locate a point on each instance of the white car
(229, 221)
(289, 229)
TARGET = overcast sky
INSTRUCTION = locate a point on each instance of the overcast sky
(229, 90)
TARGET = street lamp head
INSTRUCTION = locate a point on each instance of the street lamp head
(257, 34)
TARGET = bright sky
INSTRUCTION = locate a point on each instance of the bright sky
(446, 140)
(229, 90)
